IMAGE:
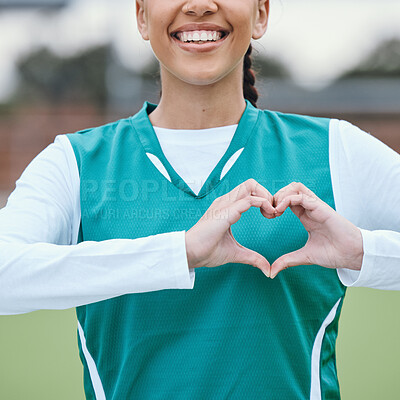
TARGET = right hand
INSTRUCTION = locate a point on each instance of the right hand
(210, 243)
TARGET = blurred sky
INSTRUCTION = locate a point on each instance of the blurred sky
(316, 39)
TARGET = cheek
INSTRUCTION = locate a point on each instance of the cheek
(158, 19)
(242, 39)
(243, 23)
(159, 39)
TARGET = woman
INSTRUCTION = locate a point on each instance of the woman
(133, 224)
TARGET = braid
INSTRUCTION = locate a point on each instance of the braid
(249, 91)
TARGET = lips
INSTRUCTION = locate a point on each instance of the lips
(192, 37)
(199, 36)
(203, 27)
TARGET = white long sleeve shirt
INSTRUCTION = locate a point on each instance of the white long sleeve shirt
(43, 267)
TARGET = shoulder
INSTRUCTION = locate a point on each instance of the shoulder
(99, 139)
(360, 146)
(293, 117)
(350, 136)
(296, 125)
(91, 135)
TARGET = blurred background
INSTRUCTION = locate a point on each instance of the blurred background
(66, 65)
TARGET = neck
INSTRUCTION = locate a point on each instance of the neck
(188, 106)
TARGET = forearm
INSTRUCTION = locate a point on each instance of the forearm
(366, 178)
(381, 262)
(48, 276)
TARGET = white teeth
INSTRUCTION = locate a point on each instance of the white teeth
(199, 36)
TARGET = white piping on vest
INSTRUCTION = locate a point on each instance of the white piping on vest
(315, 392)
(230, 162)
(94, 374)
(158, 164)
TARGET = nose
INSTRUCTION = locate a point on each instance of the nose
(200, 7)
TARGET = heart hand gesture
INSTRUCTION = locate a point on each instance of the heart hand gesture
(333, 241)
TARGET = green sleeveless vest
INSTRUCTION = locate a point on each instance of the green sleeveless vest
(236, 334)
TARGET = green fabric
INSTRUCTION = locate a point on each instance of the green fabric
(236, 334)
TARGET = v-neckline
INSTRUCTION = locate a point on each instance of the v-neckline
(148, 138)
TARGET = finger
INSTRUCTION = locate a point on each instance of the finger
(307, 202)
(256, 189)
(298, 257)
(250, 257)
(246, 188)
(291, 189)
(268, 212)
(235, 211)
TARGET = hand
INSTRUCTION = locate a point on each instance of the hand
(210, 242)
(333, 241)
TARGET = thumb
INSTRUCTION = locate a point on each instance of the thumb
(298, 257)
(247, 256)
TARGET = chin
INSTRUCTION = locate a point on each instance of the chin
(199, 76)
(202, 78)
(202, 81)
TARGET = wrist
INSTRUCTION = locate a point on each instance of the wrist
(191, 259)
(358, 254)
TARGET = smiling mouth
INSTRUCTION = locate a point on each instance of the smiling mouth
(200, 36)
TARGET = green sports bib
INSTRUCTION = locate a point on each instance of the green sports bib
(236, 334)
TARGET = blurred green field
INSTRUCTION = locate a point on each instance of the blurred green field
(39, 354)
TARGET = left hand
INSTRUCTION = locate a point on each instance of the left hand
(333, 241)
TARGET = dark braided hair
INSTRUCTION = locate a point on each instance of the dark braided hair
(249, 91)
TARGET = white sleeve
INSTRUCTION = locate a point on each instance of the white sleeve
(366, 184)
(43, 267)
